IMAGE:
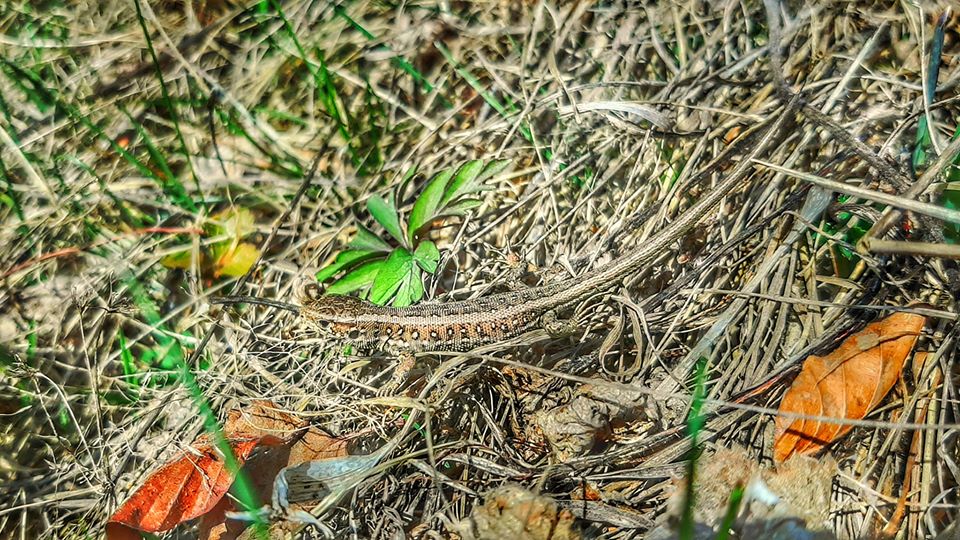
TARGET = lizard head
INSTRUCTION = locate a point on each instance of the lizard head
(332, 316)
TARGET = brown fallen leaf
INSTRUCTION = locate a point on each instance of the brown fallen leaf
(194, 483)
(263, 418)
(183, 489)
(591, 416)
(847, 383)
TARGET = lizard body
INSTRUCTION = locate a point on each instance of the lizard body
(466, 324)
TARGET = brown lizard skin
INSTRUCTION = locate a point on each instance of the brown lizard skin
(466, 324)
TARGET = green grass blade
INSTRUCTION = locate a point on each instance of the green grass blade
(242, 486)
(398, 61)
(322, 78)
(76, 115)
(31, 85)
(923, 140)
(730, 517)
(695, 423)
(129, 367)
(170, 106)
(474, 82)
(411, 290)
(167, 181)
(487, 96)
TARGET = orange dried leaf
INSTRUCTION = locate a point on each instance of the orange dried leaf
(193, 484)
(183, 489)
(847, 383)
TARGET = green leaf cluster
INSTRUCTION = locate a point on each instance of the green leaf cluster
(389, 268)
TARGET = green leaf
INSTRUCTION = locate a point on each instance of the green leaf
(425, 208)
(385, 212)
(238, 261)
(366, 240)
(391, 276)
(235, 223)
(461, 207)
(411, 290)
(356, 279)
(405, 179)
(344, 260)
(463, 181)
(468, 180)
(427, 256)
(845, 252)
(494, 168)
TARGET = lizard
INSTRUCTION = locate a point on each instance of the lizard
(466, 324)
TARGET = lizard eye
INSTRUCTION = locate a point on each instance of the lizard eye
(323, 324)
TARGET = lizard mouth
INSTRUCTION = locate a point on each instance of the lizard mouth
(224, 300)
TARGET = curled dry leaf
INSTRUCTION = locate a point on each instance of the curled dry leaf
(847, 383)
(591, 416)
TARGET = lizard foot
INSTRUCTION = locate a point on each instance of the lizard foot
(558, 327)
(405, 365)
(513, 277)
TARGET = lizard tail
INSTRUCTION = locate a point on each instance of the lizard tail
(254, 300)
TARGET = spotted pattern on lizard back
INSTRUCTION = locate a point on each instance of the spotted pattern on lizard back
(455, 326)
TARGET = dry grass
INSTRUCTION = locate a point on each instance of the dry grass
(105, 171)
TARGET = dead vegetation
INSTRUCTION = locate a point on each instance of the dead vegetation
(118, 151)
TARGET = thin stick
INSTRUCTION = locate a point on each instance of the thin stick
(255, 300)
(939, 212)
(922, 249)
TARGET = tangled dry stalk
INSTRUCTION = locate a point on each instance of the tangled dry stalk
(614, 116)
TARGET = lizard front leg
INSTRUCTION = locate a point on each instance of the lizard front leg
(406, 373)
